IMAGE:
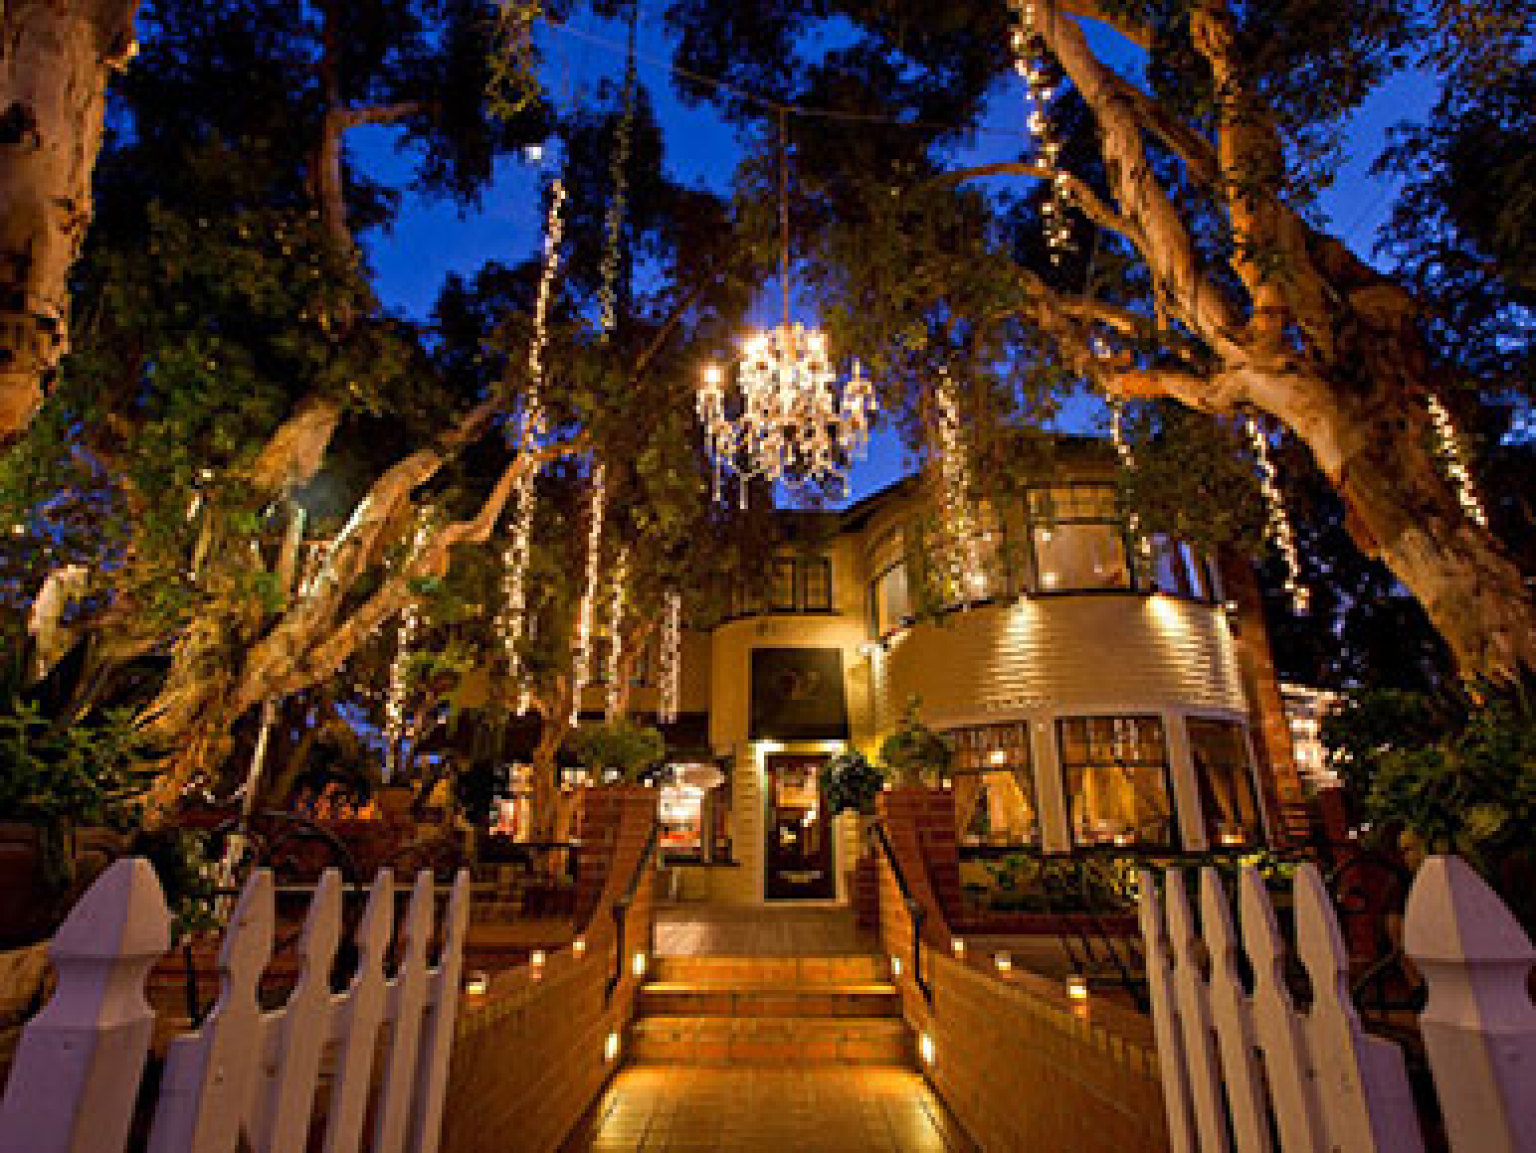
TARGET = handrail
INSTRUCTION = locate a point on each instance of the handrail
(622, 905)
(915, 910)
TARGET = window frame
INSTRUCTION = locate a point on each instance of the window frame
(805, 566)
(1118, 523)
(1250, 776)
(1175, 842)
(781, 566)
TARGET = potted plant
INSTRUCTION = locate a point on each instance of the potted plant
(70, 790)
(849, 783)
(915, 753)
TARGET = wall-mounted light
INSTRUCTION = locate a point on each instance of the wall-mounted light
(957, 946)
(477, 984)
(1077, 987)
(1003, 961)
(611, 1048)
(637, 964)
(925, 1047)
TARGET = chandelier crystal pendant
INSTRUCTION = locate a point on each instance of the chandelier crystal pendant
(789, 421)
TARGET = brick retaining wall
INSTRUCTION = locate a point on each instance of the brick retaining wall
(528, 1056)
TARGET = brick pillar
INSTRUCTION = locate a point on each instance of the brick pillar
(921, 825)
(1279, 782)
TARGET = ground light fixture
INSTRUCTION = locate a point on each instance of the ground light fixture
(1003, 961)
(1077, 987)
(925, 1048)
(536, 961)
(957, 946)
(611, 1048)
(637, 964)
(895, 965)
(477, 984)
(579, 946)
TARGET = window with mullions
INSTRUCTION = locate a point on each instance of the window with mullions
(1078, 539)
(1116, 774)
(1178, 569)
(781, 593)
(1225, 779)
(816, 585)
(994, 786)
(890, 600)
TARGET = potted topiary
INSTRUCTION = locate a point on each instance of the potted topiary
(914, 753)
(849, 783)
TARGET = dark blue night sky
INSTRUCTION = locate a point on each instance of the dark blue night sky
(432, 239)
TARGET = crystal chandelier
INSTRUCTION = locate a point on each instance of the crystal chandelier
(790, 423)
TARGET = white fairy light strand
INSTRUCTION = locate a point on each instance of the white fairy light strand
(1033, 64)
(616, 633)
(613, 224)
(1278, 526)
(511, 619)
(964, 560)
(671, 659)
(1454, 461)
(399, 669)
(581, 664)
(1127, 457)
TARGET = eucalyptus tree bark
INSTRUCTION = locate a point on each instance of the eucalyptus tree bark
(1313, 336)
(55, 60)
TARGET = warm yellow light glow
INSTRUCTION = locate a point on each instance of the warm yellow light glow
(611, 1047)
(579, 946)
(536, 958)
(637, 965)
(895, 966)
(998, 757)
(925, 1047)
(1230, 839)
(1077, 987)
(957, 946)
(477, 984)
(1003, 961)
(713, 375)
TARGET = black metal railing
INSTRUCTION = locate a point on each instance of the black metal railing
(622, 905)
(915, 911)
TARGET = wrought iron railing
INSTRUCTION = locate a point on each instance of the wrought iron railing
(915, 911)
(622, 905)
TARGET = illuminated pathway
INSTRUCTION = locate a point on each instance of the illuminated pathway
(809, 1109)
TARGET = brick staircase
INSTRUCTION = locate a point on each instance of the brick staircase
(709, 1010)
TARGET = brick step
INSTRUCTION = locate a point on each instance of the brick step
(846, 969)
(713, 999)
(770, 1041)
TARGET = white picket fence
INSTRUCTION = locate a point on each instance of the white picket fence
(1249, 1071)
(247, 1078)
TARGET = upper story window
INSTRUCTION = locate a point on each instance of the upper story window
(1078, 539)
(890, 600)
(796, 585)
(1178, 569)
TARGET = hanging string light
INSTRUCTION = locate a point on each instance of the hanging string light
(966, 572)
(510, 622)
(581, 664)
(618, 175)
(671, 659)
(1454, 461)
(616, 633)
(1032, 62)
(1278, 527)
(399, 669)
(1127, 457)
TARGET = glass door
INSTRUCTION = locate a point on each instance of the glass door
(797, 859)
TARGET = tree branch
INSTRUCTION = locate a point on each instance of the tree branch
(1082, 196)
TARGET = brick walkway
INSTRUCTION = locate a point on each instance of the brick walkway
(758, 931)
(816, 1109)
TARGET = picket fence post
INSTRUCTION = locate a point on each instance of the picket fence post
(246, 1078)
(1177, 1102)
(78, 1065)
(1479, 1025)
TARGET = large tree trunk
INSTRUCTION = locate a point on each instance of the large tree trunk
(55, 57)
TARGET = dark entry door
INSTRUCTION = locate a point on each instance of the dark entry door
(798, 857)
